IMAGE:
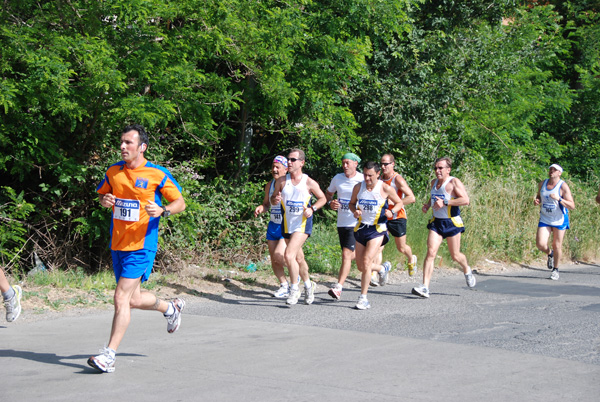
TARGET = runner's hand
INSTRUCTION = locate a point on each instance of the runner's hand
(153, 209)
(108, 200)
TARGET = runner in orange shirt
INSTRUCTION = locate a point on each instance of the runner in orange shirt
(133, 189)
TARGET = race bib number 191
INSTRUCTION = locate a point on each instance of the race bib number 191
(127, 210)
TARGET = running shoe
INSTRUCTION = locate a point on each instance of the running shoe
(470, 278)
(293, 297)
(362, 304)
(412, 266)
(309, 293)
(13, 305)
(383, 274)
(174, 320)
(550, 263)
(335, 292)
(421, 291)
(282, 293)
(374, 278)
(554, 275)
(104, 362)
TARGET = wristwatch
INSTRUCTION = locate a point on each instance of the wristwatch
(166, 212)
(445, 202)
(314, 209)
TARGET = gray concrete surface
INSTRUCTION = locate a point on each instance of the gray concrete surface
(518, 335)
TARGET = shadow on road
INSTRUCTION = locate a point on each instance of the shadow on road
(53, 358)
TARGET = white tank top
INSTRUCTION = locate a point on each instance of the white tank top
(294, 199)
(441, 193)
(551, 212)
(275, 209)
(373, 206)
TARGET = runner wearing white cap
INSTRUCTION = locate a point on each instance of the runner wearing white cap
(555, 199)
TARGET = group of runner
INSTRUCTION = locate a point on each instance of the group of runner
(368, 204)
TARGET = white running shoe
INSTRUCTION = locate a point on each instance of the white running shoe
(174, 320)
(104, 362)
(362, 303)
(309, 293)
(374, 278)
(282, 293)
(13, 305)
(383, 274)
(412, 266)
(470, 278)
(554, 275)
(293, 297)
(335, 292)
(421, 291)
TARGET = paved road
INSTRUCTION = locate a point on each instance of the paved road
(517, 335)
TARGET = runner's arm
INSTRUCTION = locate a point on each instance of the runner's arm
(263, 207)
(409, 196)
(461, 198)
(566, 199)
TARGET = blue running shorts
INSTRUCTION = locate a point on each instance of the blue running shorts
(444, 227)
(133, 264)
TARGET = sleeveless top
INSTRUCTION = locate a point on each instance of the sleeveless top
(275, 209)
(373, 206)
(551, 212)
(449, 212)
(392, 182)
(294, 199)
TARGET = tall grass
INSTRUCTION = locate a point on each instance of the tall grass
(501, 224)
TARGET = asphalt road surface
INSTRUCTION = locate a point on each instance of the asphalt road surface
(517, 335)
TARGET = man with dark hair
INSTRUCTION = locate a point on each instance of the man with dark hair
(447, 195)
(294, 192)
(133, 189)
(368, 204)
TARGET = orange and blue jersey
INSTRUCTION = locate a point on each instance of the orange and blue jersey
(131, 227)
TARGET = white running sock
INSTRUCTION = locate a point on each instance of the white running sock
(170, 310)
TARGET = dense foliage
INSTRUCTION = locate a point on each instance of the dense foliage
(223, 85)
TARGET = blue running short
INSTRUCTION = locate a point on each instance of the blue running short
(444, 227)
(369, 232)
(274, 231)
(564, 226)
(133, 264)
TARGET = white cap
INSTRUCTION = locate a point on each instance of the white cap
(556, 166)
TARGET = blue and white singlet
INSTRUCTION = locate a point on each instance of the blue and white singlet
(551, 212)
(294, 199)
(373, 206)
(276, 216)
(450, 212)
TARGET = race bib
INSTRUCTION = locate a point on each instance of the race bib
(295, 207)
(367, 205)
(549, 207)
(276, 216)
(127, 210)
(344, 205)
